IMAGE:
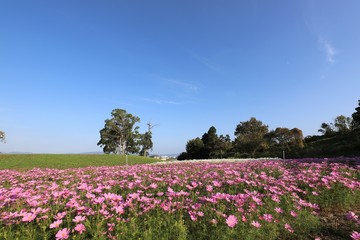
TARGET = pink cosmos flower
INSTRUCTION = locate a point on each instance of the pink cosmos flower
(275, 198)
(66, 182)
(28, 217)
(194, 184)
(90, 195)
(80, 228)
(231, 221)
(153, 185)
(60, 215)
(278, 210)
(99, 200)
(257, 200)
(288, 227)
(56, 224)
(293, 213)
(119, 209)
(355, 235)
(268, 217)
(216, 183)
(62, 234)
(78, 219)
(193, 215)
(111, 226)
(351, 216)
(37, 210)
(256, 224)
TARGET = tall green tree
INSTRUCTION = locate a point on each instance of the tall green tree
(224, 147)
(355, 124)
(342, 124)
(146, 140)
(211, 142)
(120, 135)
(2, 137)
(210, 145)
(327, 129)
(182, 156)
(283, 137)
(250, 136)
(195, 149)
(297, 138)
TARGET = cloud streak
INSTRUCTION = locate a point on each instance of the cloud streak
(184, 85)
(329, 49)
(160, 101)
(206, 62)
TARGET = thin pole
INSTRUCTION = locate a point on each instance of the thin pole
(283, 154)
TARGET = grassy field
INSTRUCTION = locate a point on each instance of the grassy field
(62, 161)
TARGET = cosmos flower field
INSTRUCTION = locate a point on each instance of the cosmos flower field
(260, 199)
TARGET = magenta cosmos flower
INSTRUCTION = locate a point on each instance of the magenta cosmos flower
(56, 224)
(268, 217)
(231, 221)
(355, 235)
(288, 227)
(78, 219)
(256, 224)
(80, 228)
(62, 234)
(28, 217)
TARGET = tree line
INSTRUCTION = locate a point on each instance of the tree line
(254, 139)
(120, 135)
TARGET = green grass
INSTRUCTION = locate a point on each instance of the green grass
(62, 161)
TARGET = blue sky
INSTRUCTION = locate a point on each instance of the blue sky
(184, 65)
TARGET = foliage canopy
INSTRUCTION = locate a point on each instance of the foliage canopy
(120, 135)
(253, 139)
(2, 137)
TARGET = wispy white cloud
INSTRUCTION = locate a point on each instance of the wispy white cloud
(160, 101)
(329, 49)
(207, 62)
(193, 87)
